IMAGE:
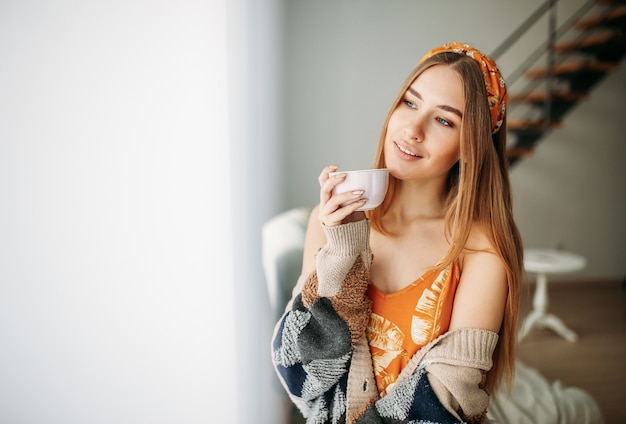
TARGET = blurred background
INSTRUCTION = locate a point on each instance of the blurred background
(344, 64)
(143, 145)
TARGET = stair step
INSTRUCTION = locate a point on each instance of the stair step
(573, 67)
(541, 96)
(591, 41)
(529, 124)
(610, 18)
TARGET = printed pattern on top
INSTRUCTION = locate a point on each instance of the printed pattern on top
(404, 321)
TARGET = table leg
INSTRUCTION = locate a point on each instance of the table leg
(553, 322)
(539, 317)
(531, 320)
(540, 300)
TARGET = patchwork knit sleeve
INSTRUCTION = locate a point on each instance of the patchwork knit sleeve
(314, 340)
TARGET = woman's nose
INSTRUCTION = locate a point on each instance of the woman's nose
(415, 128)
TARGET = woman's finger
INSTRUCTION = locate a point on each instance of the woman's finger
(327, 183)
(341, 214)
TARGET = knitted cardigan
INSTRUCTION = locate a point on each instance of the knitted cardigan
(322, 357)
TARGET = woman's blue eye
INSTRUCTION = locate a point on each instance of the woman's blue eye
(444, 122)
(410, 104)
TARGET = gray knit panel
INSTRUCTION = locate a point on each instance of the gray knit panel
(322, 374)
(318, 412)
(339, 406)
(287, 354)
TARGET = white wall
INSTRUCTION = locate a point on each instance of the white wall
(345, 61)
(114, 178)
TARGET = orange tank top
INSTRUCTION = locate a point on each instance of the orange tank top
(404, 321)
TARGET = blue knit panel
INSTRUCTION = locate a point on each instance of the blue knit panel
(427, 407)
(411, 402)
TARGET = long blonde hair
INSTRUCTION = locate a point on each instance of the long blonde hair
(478, 193)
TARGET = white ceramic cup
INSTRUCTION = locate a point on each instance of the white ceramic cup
(373, 181)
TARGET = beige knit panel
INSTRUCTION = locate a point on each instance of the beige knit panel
(345, 244)
(362, 390)
(459, 389)
(465, 347)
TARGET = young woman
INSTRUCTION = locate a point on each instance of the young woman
(408, 313)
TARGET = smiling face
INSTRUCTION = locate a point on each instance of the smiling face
(424, 130)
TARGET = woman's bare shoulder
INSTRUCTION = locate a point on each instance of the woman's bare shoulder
(479, 240)
(481, 294)
(480, 252)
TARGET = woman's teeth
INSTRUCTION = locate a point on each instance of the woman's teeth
(406, 151)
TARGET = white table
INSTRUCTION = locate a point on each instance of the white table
(544, 262)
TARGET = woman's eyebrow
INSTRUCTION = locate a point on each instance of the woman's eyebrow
(415, 93)
(444, 107)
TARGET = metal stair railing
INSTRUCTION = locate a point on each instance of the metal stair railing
(547, 47)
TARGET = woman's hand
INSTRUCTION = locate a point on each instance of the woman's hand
(330, 211)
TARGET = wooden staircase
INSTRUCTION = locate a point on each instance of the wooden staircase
(578, 65)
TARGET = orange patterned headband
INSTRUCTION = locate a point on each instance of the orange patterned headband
(496, 88)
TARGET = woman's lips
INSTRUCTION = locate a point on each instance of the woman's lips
(405, 153)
